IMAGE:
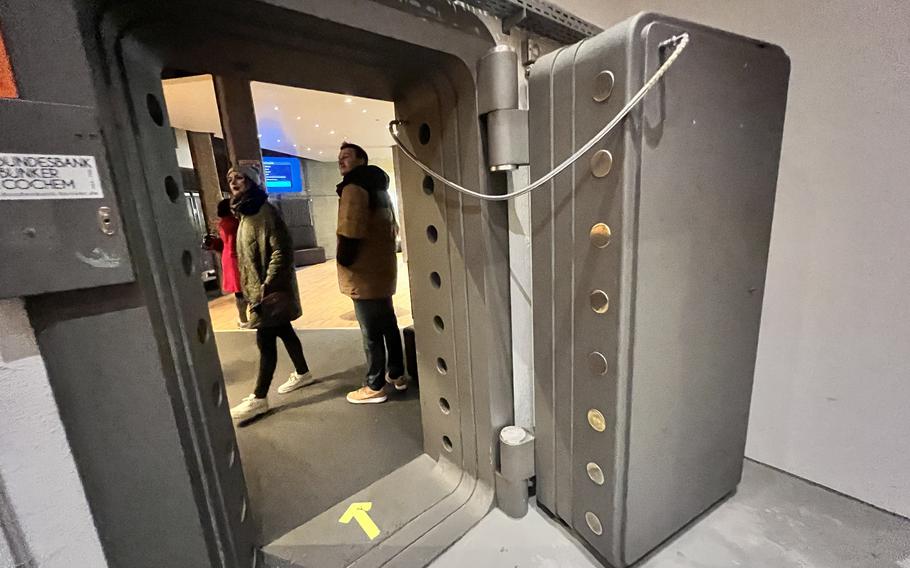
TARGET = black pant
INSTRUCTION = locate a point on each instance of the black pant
(266, 340)
(379, 327)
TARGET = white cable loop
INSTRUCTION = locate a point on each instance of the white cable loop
(681, 42)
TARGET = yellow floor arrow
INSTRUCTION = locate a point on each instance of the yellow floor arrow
(358, 512)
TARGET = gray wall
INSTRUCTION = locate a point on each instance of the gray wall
(833, 375)
(43, 510)
(320, 179)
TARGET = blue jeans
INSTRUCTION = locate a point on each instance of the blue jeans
(381, 336)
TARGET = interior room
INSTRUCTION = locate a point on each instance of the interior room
(312, 448)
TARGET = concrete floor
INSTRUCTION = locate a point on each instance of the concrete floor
(773, 521)
(296, 468)
(314, 449)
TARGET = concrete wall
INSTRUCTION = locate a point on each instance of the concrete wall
(321, 178)
(833, 374)
(43, 511)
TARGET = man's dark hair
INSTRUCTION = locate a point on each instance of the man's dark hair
(359, 152)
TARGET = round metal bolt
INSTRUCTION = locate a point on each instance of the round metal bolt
(598, 363)
(601, 163)
(595, 474)
(596, 420)
(600, 302)
(594, 523)
(603, 86)
(601, 235)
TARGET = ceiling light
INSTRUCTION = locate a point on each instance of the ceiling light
(279, 140)
(308, 148)
(317, 126)
(364, 110)
(349, 100)
(295, 145)
(332, 132)
(320, 152)
(298, 118)
(276, 108)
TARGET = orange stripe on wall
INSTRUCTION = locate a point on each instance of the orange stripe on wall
(8, 88)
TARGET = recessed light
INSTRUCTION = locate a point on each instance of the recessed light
(298, 118)
(308, 148)
(279, 140)
(364, 110)
(295, 145)
(317, 126)
(349, 100)
(320, 152)
(331, 132)
(276, 108)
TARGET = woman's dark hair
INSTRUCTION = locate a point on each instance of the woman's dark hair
(359, 152)
(224, 208)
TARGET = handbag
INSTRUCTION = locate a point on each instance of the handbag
(276, 307)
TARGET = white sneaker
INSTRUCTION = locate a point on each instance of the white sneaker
(295, 381)
(400, 384)
(249, 408)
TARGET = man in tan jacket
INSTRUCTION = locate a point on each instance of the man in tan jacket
(368, 269)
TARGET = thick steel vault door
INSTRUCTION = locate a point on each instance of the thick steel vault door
(649, 259)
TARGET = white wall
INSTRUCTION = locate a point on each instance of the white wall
(42, 505)
(832, 383)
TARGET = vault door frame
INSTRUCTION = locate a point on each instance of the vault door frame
(129, 44)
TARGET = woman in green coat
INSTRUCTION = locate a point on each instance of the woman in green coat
(265, 256)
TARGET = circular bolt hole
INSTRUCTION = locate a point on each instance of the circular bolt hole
(217, 393)
(444, 406)
(600, 302)
(600, 235)
(440, 325)
(155, 111)
(424, 134)
(603, 86)
(601, 163)
(202, 331)
(435, 280)
(429, 186)
(597, 362)
(441, 366)
(172, 189)
(447, 443)
(187, 261)
(432, 234)
(594, 523)
(596, 420)
(595, 474)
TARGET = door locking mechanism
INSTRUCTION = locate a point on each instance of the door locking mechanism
(106, 221)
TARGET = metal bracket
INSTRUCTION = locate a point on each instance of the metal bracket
(514, 20)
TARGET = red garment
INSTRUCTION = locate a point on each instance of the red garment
(230, 270)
